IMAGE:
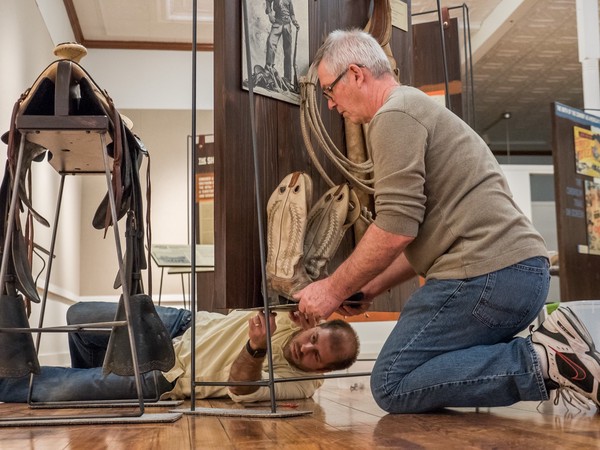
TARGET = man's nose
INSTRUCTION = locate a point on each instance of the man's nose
(307, 348)
(330, 104)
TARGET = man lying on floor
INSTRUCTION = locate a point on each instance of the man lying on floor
(228, 347)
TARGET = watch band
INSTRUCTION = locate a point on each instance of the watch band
(258, 353)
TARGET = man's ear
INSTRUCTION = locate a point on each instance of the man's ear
(358, 74)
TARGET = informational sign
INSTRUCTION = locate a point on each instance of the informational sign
(592, 206)
(176, 255)
(399, 15)
(205, 169)
(587, 151)
(205, 187)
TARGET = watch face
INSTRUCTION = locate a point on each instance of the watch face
(259, 353)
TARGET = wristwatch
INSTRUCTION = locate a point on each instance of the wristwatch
(258, 353)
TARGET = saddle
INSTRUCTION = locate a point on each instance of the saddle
(67, 116)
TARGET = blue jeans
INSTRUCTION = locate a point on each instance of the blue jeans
(88, 348)
(84, 381)
(454, 343)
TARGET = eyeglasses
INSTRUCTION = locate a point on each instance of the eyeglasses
(328, 90)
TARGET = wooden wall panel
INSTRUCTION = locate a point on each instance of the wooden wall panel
(279, 141)
(428, 60)
(579, 273)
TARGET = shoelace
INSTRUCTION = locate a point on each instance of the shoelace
(570, 398)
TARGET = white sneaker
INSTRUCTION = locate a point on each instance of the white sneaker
(573, 362)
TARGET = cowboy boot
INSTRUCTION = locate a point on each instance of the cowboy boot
(330, 217)
(287, 211)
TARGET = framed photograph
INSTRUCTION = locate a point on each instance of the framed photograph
(278, 31)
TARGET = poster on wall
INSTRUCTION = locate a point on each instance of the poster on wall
(592, 212)
(587, 151)
(205, 169)
(278, 33)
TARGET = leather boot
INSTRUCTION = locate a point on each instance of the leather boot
(287, 211)
(336, 211)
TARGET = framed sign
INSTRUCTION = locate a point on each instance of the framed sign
(278, 31)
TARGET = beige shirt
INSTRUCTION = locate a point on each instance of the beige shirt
(436, 180)
(219, 340)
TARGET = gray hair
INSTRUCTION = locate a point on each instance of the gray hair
(345, 47)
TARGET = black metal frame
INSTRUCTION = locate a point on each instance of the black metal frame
(470, 91)
(26, 125)
(271, 381)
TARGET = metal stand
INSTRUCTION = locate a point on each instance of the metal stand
(271, 381)
(78, 144)
(468, 60)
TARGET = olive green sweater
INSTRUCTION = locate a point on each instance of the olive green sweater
(437, 181)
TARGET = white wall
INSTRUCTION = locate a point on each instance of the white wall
(152, 79)
(541, 213)
(519, 181)
(25, 50)
(154, 89)
(164, 133)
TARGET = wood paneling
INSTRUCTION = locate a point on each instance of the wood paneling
(279, 141)
(428, 60)
(579, 272)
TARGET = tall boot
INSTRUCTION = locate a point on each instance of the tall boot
(287, 211)
(330, 217)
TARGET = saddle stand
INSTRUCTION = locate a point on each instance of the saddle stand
(79, 144)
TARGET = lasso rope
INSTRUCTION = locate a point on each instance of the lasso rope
(310, 121)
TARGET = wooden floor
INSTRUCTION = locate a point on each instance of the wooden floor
(343, 415)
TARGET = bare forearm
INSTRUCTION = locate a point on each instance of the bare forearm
(377, 259)
(376, 251)
(245, 368)
(397, 272)
(248, 364)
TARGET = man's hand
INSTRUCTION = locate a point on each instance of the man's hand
(296, 24)
(257, 329)
(318, 300)
(246, 367)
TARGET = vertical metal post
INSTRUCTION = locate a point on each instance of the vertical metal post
(259, 208)
(124, 281)
(192, 230)
(51, 256)
(47, 283)
(444, 57)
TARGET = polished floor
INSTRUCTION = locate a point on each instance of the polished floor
(342, 416)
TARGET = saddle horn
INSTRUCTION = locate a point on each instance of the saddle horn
(17, 352)
(152, 340)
